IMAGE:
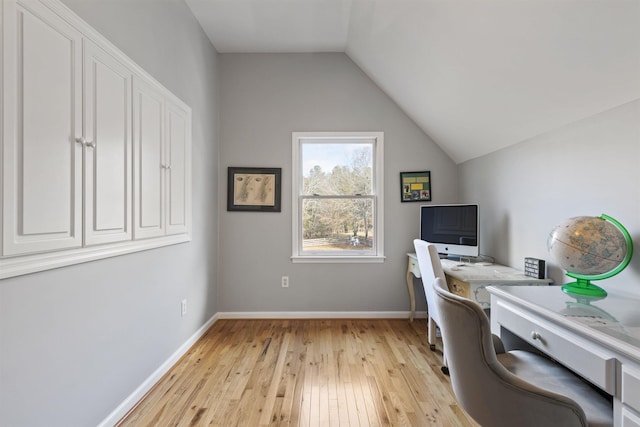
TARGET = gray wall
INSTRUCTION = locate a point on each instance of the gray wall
(586, 168)
(265, 97)
(76, 341)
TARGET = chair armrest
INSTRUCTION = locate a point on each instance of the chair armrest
(497, 344)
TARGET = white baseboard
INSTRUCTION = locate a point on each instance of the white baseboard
(319, 315)
(122, 409)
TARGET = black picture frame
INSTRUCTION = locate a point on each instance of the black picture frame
(254, 189)
(415, 186)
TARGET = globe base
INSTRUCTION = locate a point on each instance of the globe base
(583, 287)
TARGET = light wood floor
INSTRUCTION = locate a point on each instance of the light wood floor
(305, 373)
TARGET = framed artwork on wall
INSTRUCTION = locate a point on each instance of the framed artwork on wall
(415, 186)
(254, 189)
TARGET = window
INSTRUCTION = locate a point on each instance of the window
(337, 197)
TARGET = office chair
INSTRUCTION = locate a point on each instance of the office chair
(430, 269)
(514, 388)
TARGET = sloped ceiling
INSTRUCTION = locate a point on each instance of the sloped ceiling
(475, 75)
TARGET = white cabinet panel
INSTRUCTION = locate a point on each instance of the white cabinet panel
(107, 136)
(42, 116)
(178, 170)
(148, 119)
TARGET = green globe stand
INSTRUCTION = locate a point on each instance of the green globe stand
(583, 285)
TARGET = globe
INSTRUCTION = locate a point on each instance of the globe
(590, 248)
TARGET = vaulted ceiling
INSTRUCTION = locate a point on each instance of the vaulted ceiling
(475, 75)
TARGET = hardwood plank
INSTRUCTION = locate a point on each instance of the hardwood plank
(307, 372)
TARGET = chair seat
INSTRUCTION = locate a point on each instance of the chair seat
(544, 373)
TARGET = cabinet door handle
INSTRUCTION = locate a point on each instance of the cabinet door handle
(90, 144)
(535, 335)
(166, 167)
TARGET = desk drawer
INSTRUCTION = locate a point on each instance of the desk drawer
(629, 419)
(581, 355)
(413, 267)
(458, 287)
(631, 387)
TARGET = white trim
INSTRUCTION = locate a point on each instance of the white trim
(91, 33)
(127, 404)
(16, 266)
(320, 315)
(377, 192)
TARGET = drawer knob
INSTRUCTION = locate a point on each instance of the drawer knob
(535, 335)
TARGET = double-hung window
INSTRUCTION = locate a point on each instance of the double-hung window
(337, 197)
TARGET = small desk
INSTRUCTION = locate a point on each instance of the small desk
(598, 339)
(470, 280)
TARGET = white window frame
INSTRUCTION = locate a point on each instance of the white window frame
(377, 193)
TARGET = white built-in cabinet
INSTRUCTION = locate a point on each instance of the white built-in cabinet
(161, 137)
(96, 154)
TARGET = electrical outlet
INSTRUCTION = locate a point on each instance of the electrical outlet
(183, 307)
(285, 281)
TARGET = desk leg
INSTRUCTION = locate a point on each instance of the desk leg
(412, 296)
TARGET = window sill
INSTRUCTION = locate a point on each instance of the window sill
(338, 259)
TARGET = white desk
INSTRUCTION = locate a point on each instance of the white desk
(598, 339)
(470, 280)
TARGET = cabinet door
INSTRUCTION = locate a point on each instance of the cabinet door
(107, 145)
(42, 188)
(148, 159)
(178, 168)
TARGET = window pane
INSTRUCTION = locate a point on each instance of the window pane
(337, 168)
(337, 225)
